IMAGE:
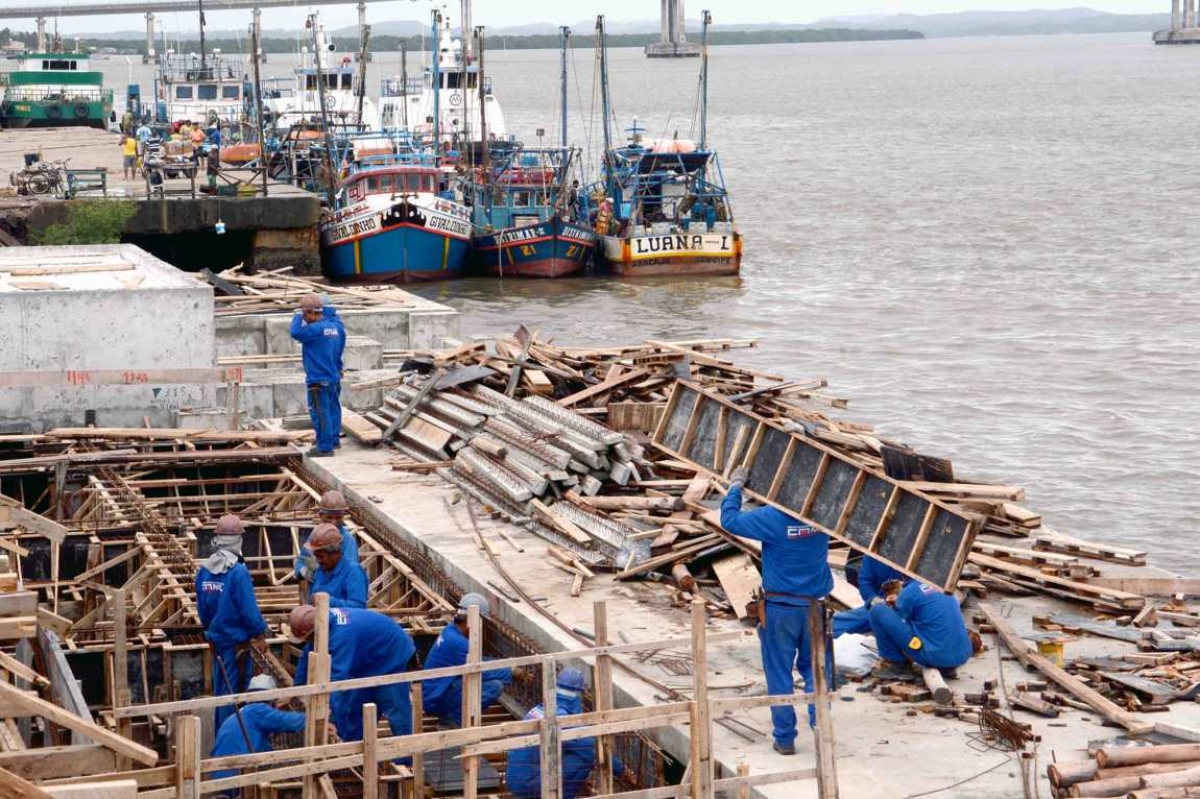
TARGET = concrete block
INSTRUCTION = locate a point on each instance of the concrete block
(362, 353)
(202, 420)
(428, 328)
(388, 327)
(361, 399)
(256, 401)
(241, 335)
(290, 399)
(278, 337)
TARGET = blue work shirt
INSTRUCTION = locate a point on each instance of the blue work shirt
(450, 649)
(261, 720)
(349, 549)
(524, 773)
(937, 620)
(795, 555)
(346, 584)
(331, 315)
(227, 606)
(321, 345)
(362, 643)
(142, 133)
(872, 574)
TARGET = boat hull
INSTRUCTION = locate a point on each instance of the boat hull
(545, 249)
(24, 114)
(674, 254)
(396, 246)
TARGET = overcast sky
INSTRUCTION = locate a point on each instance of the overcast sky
(501, 13)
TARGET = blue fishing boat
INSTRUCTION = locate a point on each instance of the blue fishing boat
(396, 221)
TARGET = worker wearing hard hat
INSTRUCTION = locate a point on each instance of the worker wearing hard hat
(228, 610)
(251, 732)
(524, 773)
(442, 696)
(343, 579)
(362, 643)
(332, 510)
(322, 338)
(795, 563)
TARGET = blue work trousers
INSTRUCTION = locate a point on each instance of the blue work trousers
(393, 702)
(785, 650)
(856, 621)
(325, 410)
(449, 705)
(238, 672)
(893, 634)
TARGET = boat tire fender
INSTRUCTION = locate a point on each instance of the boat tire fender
(82, 110)
(54, 112)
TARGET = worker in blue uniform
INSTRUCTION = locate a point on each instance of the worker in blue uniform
(259, 721)
(332, 510)
(922, 625)
(442, 696)
(362, 643)
(343, 579)
(322, 340)
(795, 571)
(524, 773)
(872, 574)
(229, 611)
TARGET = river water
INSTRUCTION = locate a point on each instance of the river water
(986, 244)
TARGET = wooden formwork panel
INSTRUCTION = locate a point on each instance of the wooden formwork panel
(862, 507)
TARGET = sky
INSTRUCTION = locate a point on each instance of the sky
(503, 13)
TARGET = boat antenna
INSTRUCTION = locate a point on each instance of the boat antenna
(332, 174)
(566, 38)
(200, 5)
(706, 20)
(437, 83)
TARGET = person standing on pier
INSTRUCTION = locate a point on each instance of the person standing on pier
(229, 611)
(442, 696)
(362, 643)
(322, 340)
(129, 156)
(795, 571)
(340, 577)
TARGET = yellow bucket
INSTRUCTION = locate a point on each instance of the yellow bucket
(1052, 651)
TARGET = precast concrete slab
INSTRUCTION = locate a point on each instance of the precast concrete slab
(882, 748)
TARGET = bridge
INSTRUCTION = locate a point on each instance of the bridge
(39, 13)
(1185, 24)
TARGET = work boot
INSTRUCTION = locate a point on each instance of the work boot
(785, 749)
(890, 670)
(949, 674)
(313, 452)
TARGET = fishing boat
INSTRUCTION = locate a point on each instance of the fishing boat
(208, 87)
(396, 219)
(524, 205)
(54, 90)
(326, 78)
(661, 206)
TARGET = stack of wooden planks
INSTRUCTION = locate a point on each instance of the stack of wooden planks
(279, 292)
(1136, 772)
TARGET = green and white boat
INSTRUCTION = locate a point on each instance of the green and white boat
(54, 90)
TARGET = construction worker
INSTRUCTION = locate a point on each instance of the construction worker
(228, 610)
(872, 575)
(250, 733)
(332, 510)
(524, 773)
(795, 564)
(920, 624)
(362, 643)
(343, 579)
(442, 696)
(322, 339)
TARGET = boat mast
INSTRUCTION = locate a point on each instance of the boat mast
(200, 5)
(483, 132)
(706, 20)
(332, 175)
(361, 77)
(437, 83)
(404, 82)
(566, 37)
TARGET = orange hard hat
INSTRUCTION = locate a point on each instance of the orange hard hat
(333, 502)
(229, 524)
(325, 536)
(302, 621)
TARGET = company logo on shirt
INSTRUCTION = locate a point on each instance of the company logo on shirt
(928, 589)
(330, 331)
(340, 616)
(207, 587)
(797, 531)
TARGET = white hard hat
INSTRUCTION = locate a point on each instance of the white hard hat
(473, 600)
(263, 682)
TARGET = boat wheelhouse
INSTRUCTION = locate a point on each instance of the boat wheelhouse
(54, 90)
(201, 88)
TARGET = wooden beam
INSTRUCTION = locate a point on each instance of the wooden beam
(63, 718)
(49, 762)
(602, 691)
(13, 787)
(370, 770)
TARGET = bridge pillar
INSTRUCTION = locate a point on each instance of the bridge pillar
(41, 34)
(1174, 15)
(150, 55)
(1189, 13)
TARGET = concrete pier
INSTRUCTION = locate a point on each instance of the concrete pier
(672, 41)
(1185, 24)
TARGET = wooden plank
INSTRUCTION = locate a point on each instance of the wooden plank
(1149, 586)
(739, 579)
(64, 718)
(357, 427)
(602, 690)
(1069, 682)
(50, 762)
(632, 376)
(548, 736)
(1086, 591)
(370, 770)
(13, 787)
(111, 789)
(119, 377)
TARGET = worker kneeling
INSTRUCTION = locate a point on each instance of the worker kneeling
(339, 576)
(248, 732)
(442, 696)
(524, 773)
(362, 643)
(920, 624)
(873, 574)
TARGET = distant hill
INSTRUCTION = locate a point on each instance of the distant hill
(1009, 23)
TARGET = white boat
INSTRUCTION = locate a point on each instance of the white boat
(201, 88)
(301, 102)
(408, 102)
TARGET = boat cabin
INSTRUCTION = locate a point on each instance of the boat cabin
(393, 181)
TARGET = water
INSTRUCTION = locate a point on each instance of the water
(987, 244)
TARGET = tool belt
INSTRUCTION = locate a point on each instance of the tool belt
(756, 608)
